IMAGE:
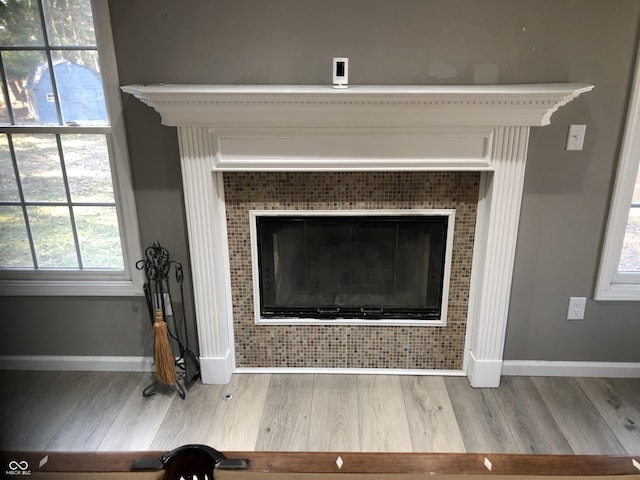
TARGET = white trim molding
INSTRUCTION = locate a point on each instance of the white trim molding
(543, 368)
(494, 255)
(217, 369)
(80, 363)
(360, 128)
(612, 284)
(450, 214)
(358, 148)
(207, 225)
(483, 373)
(351, 371)
(388, 106)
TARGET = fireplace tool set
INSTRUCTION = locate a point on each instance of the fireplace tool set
(174, 362)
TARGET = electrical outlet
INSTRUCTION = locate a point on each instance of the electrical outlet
(576, 308)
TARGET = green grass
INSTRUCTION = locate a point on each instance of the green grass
(14, 247)
(41, 177)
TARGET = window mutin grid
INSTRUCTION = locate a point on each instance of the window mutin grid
(19, 121)
(92, 209)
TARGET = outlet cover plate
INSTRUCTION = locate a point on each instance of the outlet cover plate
(576, 308)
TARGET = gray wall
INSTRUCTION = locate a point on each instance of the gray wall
(396, 42)
(75, 326)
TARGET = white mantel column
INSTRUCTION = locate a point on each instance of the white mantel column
(494, 255)
(206, 222)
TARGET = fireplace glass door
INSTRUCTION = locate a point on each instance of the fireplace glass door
(353, 267)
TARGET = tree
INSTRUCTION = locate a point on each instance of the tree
(69, 23)
(19, 26)
(19, 23)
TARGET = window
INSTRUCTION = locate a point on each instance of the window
(67, 215)
(619, 275)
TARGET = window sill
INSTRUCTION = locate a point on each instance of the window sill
(618, 292)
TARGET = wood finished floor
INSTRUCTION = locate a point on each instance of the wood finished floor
(105, 411)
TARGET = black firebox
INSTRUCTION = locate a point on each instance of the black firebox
(372, 267)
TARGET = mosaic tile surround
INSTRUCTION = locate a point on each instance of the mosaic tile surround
(349, 346)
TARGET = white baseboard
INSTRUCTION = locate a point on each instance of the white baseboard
(540, 368)
(76, 363)
(219, 370)
(349, 371)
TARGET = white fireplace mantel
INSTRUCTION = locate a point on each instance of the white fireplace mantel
(296, 128)
(247, 106)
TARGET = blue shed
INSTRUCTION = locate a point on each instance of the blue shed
(79, 88)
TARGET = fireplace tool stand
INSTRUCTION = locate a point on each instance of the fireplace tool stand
(158, 267)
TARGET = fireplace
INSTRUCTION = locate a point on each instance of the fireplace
(345, 344)
(366, 139)
(319, 267)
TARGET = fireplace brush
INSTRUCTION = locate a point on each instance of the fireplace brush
(157, 267)
(162, 354)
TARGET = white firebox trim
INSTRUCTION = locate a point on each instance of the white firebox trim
(259, 320)
(223, 127)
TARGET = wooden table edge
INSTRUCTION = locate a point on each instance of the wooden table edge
(370, 462)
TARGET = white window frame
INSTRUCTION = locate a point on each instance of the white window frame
(611, 284)
(92, 282)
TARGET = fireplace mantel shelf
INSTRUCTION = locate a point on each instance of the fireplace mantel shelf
(359, 105)
(370, 128)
